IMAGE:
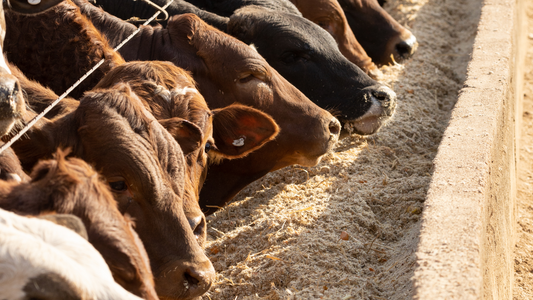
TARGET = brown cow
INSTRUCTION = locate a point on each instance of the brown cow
(145, 168)
(72, 187)
(169, 92)
(229, 71)
(329, 15)
(56, 51)
(382, 37)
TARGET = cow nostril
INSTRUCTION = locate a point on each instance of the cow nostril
(198, 226)
(334, 127)
(383, 94)
(190, 280)
(406, 47)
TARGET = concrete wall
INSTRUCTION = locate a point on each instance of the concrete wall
(467, 235)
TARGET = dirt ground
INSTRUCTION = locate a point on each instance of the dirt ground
(523, 288)
(348, 228)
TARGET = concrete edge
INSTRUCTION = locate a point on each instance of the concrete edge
(467, 231)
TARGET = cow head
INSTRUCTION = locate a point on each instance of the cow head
(205, 136)
(228, 71)
(382, 37)
(307, 56)
(329, 15)
(145, 169)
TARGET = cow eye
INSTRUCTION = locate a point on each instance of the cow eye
(118, 186)
(246, 79)
(208, 147)
(292, 57)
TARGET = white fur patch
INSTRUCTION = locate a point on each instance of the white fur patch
(238, 142)
(30, 247)
(185, 90)
(411, 40)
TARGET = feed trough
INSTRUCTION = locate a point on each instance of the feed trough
(423, 209)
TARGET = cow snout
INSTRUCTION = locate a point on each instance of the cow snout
(382, 102)
(185, 280)
(10, 108)
(387, 99)
(405, 47)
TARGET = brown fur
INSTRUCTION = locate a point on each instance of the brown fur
(111, 130)
(57, 47)
(72, 187)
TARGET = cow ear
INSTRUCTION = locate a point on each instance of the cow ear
(188, 135)
(239, 130)
(240, 25)
(70, 221)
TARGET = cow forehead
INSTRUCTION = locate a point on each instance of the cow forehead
(121, 134)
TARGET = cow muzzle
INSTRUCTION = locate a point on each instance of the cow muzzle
(404, 46)
(185, 280)
(382, 106)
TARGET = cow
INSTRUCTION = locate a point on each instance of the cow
(243, 77)
(230, 132)
(329, 15)
(304, 54)
(145, 169)
(73, 187)
(38, 44)
(382, 37)
(43, 260)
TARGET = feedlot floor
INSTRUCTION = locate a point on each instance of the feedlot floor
(523, 288)
(282, 237)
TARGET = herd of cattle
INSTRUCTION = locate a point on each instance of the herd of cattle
(170, 128)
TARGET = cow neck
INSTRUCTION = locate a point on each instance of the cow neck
(145, 45)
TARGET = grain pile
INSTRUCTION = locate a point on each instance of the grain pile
(347, 228)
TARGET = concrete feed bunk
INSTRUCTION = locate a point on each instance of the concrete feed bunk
(423, 209)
